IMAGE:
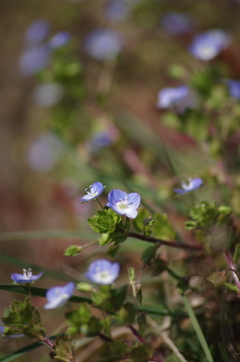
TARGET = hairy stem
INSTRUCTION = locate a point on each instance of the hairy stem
(232, 268)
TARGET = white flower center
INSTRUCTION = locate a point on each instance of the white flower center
(208, 50)
(187, 185)
(103, 275)
(122, 204)
(27, 274)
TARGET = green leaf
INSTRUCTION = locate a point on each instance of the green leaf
(139, 295)
(149, 254)
(73, 250)
(84, 287)
(142, 353)
(81, 321)
(126, 314)
(236, 255)
(142, 322)
(162, 228)
(106, 326)
(105, 221)
(109, 299)
(131, 275)
(190, 225)
(64, 349)
(159, 266)
(138, 221)
(183, 284)
(230, 287)
(218, 278)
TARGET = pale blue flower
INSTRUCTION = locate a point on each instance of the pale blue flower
(26, 277)
(233, 87)
(176, 23)
(102, 272)
(93, 192)
(190, 185)
(33, 60)
(103, 44)
(58, 296)
(37, 32)
(208, 45)
(59, 39)
(123, 203)
(170, 97)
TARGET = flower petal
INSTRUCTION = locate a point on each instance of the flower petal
(116, 195)
(131, 213)
(134, 200)
(97, 187)
(196, 183)
(87, 198)
(180, 191)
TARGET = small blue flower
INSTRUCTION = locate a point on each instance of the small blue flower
(103, 44)
(102, 271)
(116, 10)
(59, 39)
(190, 185)
(93, 192)
(58, 296)
(37, 31)
(176, 23)
(33, 60)
(208, 45)
(123, 203)
(170, 97)
(233, 87)
(26, 277)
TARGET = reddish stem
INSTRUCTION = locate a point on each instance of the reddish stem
(232, 267)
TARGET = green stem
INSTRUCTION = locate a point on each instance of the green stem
(99, 203)
(197, 328)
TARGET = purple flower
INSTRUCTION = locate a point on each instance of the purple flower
(26, 277)
(58, 296)
(37, 31)
(33, 60)
(103, 44)
(59, 39)
(123, 203)
(233, 87)
(93, 192)
(208, 45)
(169, 97)
(102, 271)
(190, 185)
(176, 23)
(116, 10)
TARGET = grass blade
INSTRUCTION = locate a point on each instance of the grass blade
(197, 328)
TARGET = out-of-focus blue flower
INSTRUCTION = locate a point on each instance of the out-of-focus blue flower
(93, 192)
(208, 45)
(102, 271)
(33, 60)
(123, 203)
(190, 185)
(103, 44)
(26, 276)
(170, 97)
(2, 329)
(37, 32)
(59, 39)
(176, 23)
(44, 152)
(58, 296)
(48, 94)
(116, 11)
(233, 87)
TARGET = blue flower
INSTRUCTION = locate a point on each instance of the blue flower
(58, 296)
(116, 10)
(26, 277)
(93, 192)
(123, 203)
(208, 45)
(233, 87)
(190, 185)
(33, 60)
(103, 44)
(37, 31)
(169, 97)
(59, 39)
(176, 23)
(102, 271)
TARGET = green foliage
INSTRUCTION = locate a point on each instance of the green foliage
(63, 349)
(149, 254)
(109, 299)
(162, 228)
(142, 322)
(142, 353)
(206, 215)
(236, 255)
(218, 278)
(73, 250)
(158, 267)
(231, 287)
(23, 318)
(117, 350)
(131, 275)
(127, 313)
(81, 321)
(84, 287)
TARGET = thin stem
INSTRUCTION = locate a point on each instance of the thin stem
(136, 334)
(172, 244)
(90, 243)
(232, 267)
(99, 203)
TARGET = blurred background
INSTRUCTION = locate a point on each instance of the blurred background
(79, 103)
